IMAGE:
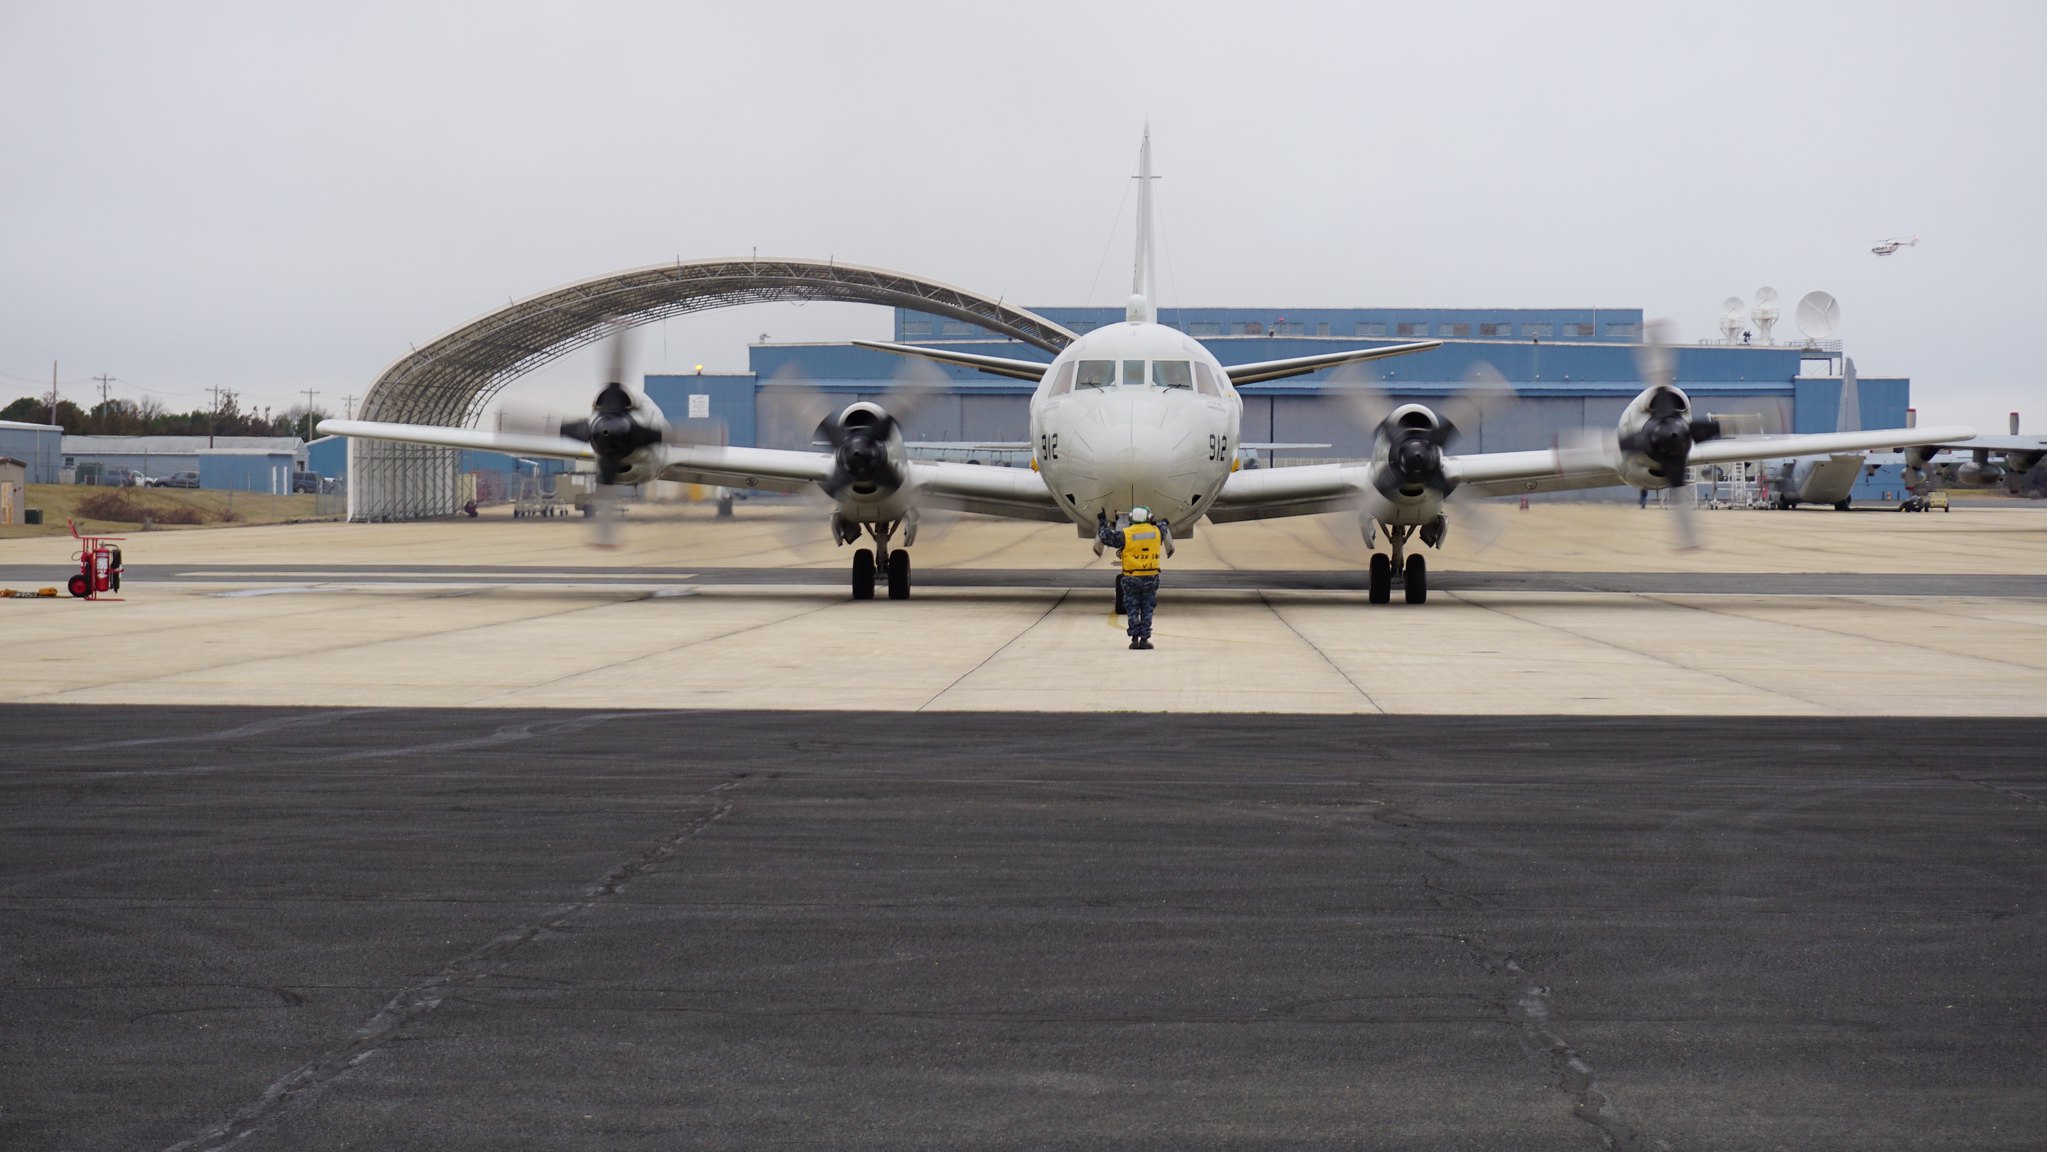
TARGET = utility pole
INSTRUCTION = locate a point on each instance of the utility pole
(213, 415)
(348, 407)
(310, 393)
(53, 391)
(104, 380)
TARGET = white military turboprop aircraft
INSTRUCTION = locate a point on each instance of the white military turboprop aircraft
(1140, 413)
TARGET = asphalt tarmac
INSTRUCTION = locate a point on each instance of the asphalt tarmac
(1712, 583)
(297, 929)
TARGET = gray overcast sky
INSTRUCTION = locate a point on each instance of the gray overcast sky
(275, 197)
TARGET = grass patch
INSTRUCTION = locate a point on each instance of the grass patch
(121, 510)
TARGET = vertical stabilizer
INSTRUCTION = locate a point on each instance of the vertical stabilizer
(1142, 277)
(1850, 418)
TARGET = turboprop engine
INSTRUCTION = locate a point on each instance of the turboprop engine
(1656, 434)
(868, 461)
(1410, 447)
(619, 430)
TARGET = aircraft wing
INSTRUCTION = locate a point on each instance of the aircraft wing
(1302, 365)
(1030, 370)
(440, 435)
(1013, 492)
(1016, 493)
(1307, 490)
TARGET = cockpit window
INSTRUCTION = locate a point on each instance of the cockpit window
(1096, 374)
(1172, 373)
(1204, 381)
(1133, 373)
(1062, 380)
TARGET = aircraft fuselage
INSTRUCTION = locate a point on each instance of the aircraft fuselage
(1135, 413)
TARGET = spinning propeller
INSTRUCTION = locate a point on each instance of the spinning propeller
(859, 439)
(611, 430)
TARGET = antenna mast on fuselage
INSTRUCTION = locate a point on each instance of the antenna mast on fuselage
(1142, 276)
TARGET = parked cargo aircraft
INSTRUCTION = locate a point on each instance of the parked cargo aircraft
(1830, 479)
(1141, 413)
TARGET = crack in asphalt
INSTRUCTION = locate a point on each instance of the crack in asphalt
(1527, 1006)
(416, 1003)
(2001, 790)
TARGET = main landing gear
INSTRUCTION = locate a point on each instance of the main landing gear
(890, 566)
(1410, 572)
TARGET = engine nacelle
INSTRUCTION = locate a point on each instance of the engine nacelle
(624, 431)
(1655, 437)
(870, 467)
(1410, 445)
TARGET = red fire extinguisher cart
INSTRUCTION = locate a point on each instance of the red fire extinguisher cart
(99, 566)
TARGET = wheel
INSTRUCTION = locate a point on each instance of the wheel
(863, 574)
(1841, 507)
(1381, 582)
(1416, 585)
(899, 575)
(1121, 608)
(78, 586)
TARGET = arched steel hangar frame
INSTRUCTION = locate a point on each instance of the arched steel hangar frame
(451, 380)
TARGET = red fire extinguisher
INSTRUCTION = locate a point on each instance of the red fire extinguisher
(99, 566)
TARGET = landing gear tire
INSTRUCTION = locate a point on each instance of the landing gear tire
(1416, 584)
(1841, 507)
(863, 574)
(1380, 584)
(899, 575)
(1121, 608)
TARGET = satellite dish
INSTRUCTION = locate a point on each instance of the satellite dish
(1819, 314)
(1732, 318)
(1765, 312)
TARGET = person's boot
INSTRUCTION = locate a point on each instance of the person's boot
(1144, 643)
(1136, 643)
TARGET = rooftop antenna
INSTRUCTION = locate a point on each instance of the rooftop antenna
(1819, 314)
(1731, 318)
(1143, 275)
(1765, 312)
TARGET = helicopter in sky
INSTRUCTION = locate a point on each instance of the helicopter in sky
(1893, 244)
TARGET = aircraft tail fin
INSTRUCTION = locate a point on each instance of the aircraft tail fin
(1143, 276)
(1849, 418)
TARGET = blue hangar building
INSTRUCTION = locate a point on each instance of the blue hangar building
(1572, 368)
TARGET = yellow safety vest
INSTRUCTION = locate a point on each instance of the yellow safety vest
(1141, 550)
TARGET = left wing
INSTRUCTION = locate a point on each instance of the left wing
(1270, 492)
(1302, 365)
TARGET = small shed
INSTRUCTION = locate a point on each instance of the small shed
(13, 489)
(247, 469)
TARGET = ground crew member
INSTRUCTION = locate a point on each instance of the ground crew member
(1140, 546)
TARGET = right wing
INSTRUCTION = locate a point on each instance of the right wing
(1017, 493)
(1030, 370)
